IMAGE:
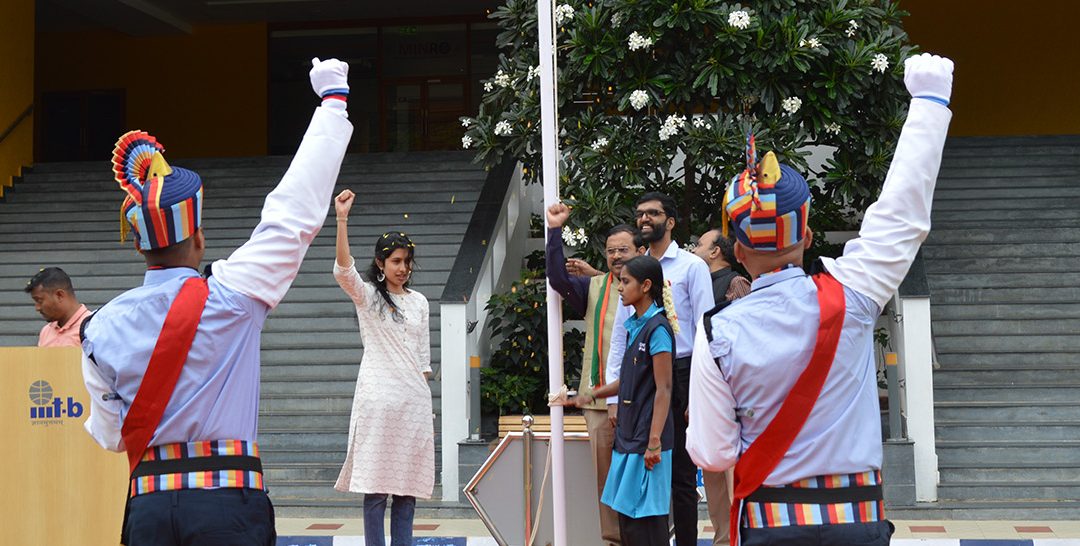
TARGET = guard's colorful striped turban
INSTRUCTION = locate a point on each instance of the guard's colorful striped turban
(767, 205)
(163, 204)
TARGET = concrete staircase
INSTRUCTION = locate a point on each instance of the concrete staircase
(1005, 292)
(66, 215)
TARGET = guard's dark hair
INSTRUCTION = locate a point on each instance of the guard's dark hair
(51, 278)
(384, 247)
(646, 267)
(621, 228)
(665, 201)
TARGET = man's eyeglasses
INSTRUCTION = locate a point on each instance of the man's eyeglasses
(651, 213)
(618, 251)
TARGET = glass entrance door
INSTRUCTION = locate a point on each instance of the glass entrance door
(422, 114)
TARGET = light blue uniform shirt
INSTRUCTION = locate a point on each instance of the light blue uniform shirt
(763, 342)
(217, 394)
(691, 291)
(660, 342)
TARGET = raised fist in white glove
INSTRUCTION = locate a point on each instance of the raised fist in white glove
(929, 76)
(329, 77)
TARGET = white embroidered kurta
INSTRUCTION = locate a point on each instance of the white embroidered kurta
(391, 430)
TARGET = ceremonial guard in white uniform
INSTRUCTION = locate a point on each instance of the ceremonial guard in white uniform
(784, 379)
(172, 366)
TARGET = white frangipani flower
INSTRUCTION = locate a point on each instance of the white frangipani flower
(880, 63)
(503, 128)
(832, 128)
(739, 19)
(636, 41)
(699, 122)
(564, 12)
(851, 28)
(639, 99)
(488, 87)
(791, 104)
(466, 141)
(466, 122)
(534, 72)
(575, 237)
(812, 43)
(616, 20)
(502, 79)
(671, 126)
(599, 144)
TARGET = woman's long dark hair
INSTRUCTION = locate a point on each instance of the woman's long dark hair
(384, 247)
(647, 267)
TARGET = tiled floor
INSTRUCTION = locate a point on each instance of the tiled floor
(924, 533)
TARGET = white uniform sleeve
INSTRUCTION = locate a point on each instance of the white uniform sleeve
(104, 421)
(712, 435)
(617, 348)
(875, 263)
(265, 266)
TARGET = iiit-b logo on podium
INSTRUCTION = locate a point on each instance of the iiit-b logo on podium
(49, 409)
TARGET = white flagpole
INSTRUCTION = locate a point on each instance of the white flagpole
(549, 130)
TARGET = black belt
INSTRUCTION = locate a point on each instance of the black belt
(197, 464)
(681, 362)
(816, 495)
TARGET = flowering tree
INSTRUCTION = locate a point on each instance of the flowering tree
(660, 94)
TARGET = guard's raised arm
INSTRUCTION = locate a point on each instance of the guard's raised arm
(876, 262)
(265, 266)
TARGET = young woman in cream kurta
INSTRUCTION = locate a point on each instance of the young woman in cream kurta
(391, 430)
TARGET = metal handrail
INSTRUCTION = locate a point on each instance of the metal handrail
(11, 128)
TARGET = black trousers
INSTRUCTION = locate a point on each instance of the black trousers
(647, 531)
(684, 495)
(201, 517)
(876, 533)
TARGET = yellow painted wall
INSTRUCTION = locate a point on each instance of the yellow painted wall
(202, 94)
(1017, 65)
(16, 85)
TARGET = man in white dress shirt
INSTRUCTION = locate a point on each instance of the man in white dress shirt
(812, 475)
(691, 294)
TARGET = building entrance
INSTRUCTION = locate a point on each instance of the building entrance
(423, 114)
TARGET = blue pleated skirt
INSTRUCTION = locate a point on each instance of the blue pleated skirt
(635, 492)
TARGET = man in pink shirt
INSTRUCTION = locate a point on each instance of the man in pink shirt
(54, 299)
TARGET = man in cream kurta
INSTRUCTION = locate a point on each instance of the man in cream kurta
(596, 299)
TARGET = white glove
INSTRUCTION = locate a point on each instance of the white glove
(329, 75)
(929, 76)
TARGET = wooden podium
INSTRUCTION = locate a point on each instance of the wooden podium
(60, 487)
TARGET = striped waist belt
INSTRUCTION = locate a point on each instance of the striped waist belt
(822, 500)
(198, 465)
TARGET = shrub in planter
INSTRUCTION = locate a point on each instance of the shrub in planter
(516, 379)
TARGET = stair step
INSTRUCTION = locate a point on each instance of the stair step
(1009, 451)
(1003, 280)
(1018, 265)
(1007, 344)
(1020, 411)
(994, 360)
(1004, 490)
(1030, 472)
(976, 391)
(991, 327)
(978, 430)
(1010, 376)
(1068, 510)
